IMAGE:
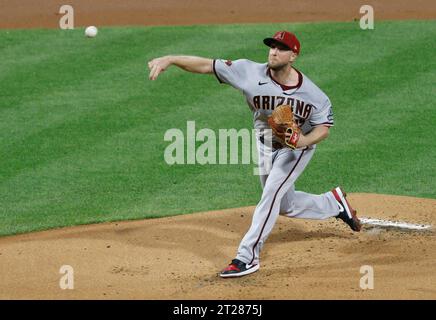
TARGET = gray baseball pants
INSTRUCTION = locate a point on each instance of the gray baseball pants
(280, 197)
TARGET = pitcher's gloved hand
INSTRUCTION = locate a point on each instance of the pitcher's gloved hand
(284, 127)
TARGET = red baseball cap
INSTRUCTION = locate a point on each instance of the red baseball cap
(286, 38)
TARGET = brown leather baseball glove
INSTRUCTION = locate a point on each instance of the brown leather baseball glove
(281, 122)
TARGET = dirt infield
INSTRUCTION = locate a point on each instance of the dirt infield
(45, 13)
(179, 257)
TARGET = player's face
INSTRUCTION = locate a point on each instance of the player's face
(280, 56)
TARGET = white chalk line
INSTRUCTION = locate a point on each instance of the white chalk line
(394, 224)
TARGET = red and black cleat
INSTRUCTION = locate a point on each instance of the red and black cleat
(238, 269)
(346, 213)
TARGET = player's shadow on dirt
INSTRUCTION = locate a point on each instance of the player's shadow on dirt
(296, 235)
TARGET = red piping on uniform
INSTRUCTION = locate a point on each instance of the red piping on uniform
(214, 71)
(272, 204)
(322, 124)
(285, 87)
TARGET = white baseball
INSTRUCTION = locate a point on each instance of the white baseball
(91, 32)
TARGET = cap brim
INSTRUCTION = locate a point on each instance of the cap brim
(270, 41)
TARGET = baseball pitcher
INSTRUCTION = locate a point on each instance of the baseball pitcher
(299, 114)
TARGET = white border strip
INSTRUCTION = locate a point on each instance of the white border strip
(396, 224)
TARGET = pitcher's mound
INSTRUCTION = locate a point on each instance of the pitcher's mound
(180, 257)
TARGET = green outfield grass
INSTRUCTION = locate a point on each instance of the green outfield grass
(81, 131)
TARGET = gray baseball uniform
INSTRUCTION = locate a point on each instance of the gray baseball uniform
(311, 108)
